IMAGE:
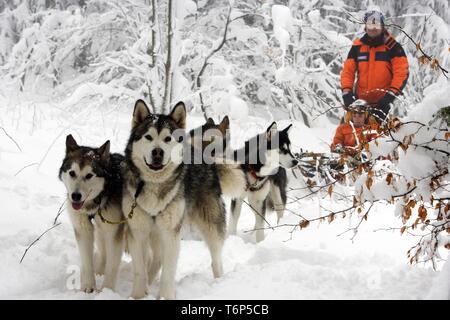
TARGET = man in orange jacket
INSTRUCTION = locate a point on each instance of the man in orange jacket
(381, 67)
(355, 131)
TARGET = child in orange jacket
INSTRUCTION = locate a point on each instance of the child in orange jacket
(355, 131)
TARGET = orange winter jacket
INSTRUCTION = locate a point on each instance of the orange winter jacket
(379, 64)
(347, 138)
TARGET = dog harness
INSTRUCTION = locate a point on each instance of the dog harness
(259, 181)
(130, 214)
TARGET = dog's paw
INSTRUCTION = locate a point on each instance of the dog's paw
(159, 297)
(88, 286)
(88, 282)
(88, 289)
(139, 294)
(168, 294)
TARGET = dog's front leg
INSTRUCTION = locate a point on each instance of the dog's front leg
(258, 206)
(236, 206)
(171, 248)
(137, 244)
(154, 264)
(84, 234)
(100, 254)
(137, 241)
(169, 224)
(277, 199)
(114, 246)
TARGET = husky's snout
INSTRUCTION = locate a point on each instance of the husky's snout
(157, 156)
(157, 159)
(289, 163)
(77, 204)
(76, 196)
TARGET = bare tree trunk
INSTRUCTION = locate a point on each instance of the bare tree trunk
(168, 66)
(151, 51)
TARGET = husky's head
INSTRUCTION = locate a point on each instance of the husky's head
(84, 172)
(211, 136)
(156, 141)
(279, 148)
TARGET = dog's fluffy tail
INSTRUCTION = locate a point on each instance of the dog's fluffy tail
(232, 179)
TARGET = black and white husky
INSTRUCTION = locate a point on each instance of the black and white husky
(165, 191)
(256, 172)
(265, 158)
(93, 180)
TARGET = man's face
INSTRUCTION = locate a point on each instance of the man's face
(374, 24)
(374, 31)
(358, 119)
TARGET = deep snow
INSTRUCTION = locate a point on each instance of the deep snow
(315, 264)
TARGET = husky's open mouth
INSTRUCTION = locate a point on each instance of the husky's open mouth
(154, 166)
(77, 205)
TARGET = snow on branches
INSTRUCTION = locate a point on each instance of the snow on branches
(408, 165)
(419, 185)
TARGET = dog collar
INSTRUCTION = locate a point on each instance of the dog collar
(259, 181)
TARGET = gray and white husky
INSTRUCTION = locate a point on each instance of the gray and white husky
(93, 180)
(166, 191)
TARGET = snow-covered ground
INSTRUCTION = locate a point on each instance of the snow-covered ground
(315, 263)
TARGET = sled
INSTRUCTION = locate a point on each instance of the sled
(327, 167)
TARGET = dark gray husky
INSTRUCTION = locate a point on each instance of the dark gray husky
(93, 180)
(165, 191)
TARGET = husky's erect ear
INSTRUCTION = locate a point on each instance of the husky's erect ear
(210, 121)
(287, 128)
(224, 125)
(141, 111)
(103, 151)
(179, 114)
(271, 131)
(71, 144)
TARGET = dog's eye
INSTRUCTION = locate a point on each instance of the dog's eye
(167, 139)
(72, 173)
(148, 137)
(89, 175)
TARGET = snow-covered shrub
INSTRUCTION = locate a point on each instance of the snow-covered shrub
(282, 58)
(416, 178)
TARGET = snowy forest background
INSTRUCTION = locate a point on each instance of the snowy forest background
(78, 66)
(116, 51)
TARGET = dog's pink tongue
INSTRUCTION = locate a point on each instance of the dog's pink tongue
(77, 205)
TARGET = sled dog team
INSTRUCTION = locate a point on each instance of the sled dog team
(141, 200)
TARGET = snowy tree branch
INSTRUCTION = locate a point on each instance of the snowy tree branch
(11, 138)
(206, 62)
(37, 239)
(168, 64)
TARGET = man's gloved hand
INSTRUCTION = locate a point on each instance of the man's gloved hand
(387, 99)
(348, 98)
(383, 107)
